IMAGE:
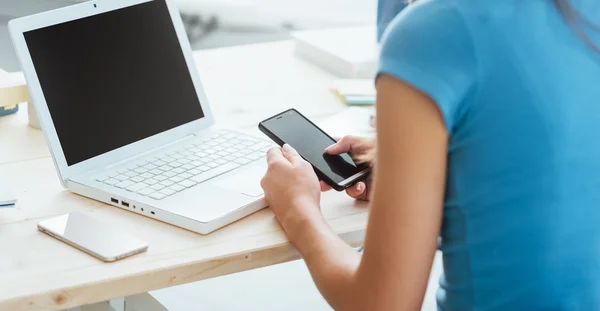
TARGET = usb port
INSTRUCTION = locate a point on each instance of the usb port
(124, 203)
(114, 200)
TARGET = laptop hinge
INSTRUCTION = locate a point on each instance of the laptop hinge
(141, 155)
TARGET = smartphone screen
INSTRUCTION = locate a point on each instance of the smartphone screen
(310, 141)
(92, 236)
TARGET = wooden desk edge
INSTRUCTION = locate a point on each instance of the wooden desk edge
(151, 280)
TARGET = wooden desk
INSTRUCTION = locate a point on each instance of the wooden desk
(244, 84)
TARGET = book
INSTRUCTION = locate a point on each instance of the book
(13, 91)
(355, 91)
(4, 111)
(345, 52)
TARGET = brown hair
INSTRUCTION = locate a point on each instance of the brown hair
(577, 22)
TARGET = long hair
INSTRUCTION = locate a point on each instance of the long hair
(577, 22)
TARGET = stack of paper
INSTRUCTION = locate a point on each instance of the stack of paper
(345, 52)
(355, 91)
(355, 121)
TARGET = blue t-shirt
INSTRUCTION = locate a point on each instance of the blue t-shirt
(519, 91)
(386, 11)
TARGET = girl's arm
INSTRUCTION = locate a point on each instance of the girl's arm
(405, 212)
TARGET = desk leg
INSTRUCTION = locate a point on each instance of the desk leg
(143, 302)
(118, 304)
(113, 305)
(101, 306)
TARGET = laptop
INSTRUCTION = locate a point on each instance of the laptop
(126, 118)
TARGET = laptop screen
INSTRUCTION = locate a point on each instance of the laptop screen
(114, 78)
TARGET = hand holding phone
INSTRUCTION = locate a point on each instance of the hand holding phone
(290, 127)
(360, 147)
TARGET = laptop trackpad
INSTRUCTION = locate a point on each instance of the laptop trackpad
(245, 181)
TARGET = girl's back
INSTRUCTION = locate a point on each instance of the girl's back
(519, 89)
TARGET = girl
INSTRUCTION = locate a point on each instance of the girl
(488, 116)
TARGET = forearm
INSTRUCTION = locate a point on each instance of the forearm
(331, 261)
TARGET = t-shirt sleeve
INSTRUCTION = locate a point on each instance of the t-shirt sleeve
(429, 46)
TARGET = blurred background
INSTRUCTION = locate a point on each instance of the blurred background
(219, 23)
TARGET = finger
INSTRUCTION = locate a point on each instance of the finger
(346, 144)
(324, 187)
(342, 146)
(274, 155)
(291, 154)
(357, 190)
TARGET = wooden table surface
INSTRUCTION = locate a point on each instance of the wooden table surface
(244, 84)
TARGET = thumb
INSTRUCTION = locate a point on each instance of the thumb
(291, 154)
(342, 146)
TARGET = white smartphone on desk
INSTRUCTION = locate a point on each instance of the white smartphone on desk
(92, 236)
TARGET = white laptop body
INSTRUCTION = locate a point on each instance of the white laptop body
(119, 99)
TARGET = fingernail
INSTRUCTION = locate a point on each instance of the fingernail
(359, 187)
(330, 147)
(287, 148)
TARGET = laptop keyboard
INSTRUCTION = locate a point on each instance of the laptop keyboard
(176, 170)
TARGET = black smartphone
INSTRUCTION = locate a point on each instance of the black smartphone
(292, 128)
